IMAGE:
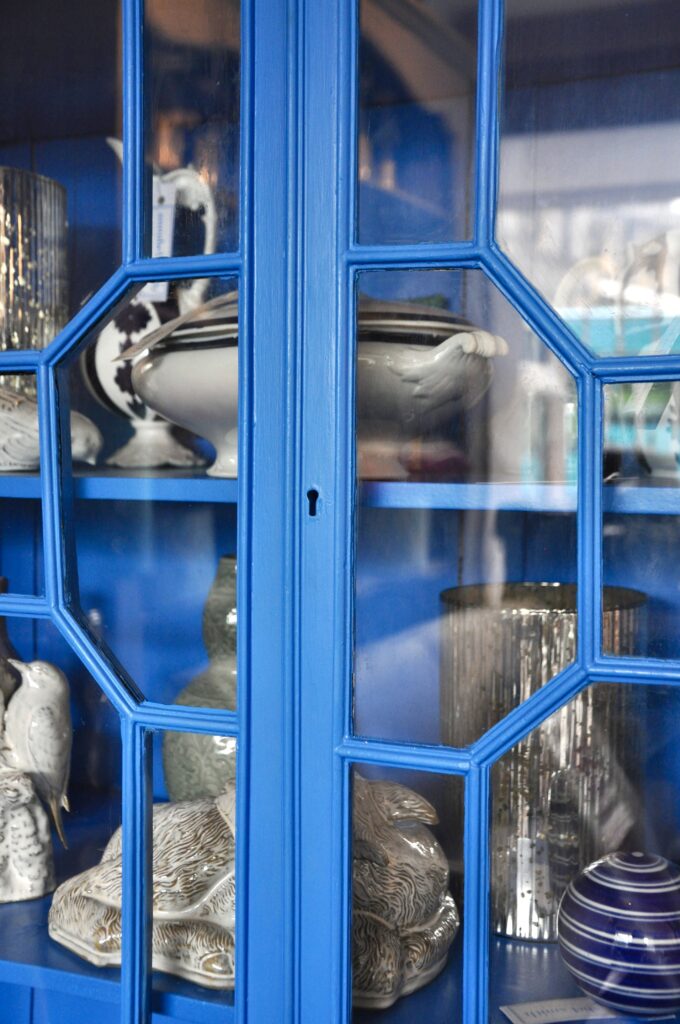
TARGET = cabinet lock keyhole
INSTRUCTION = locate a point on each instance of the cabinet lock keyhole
(312, 498)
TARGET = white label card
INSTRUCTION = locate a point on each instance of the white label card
(162, 233)
(561, 1011)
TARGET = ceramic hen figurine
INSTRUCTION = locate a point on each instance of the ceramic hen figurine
(38, 733)
(403, 917)
(193, 895)
(26, 868)
(19, 434)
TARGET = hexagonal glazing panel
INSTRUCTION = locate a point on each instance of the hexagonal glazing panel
(466, 524)
(60, 203)
(192, 100)
(589, 191)
(641, 503)
(160, 496)
(60, 798)
(407, 895)
(417, 81)
(596, 778)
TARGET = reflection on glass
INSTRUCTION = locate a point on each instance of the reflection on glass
(598, 776)
(589, 191)
(452, 385)
(407, 883)
(59, 801)
(60, 83)
(417, 71)
(194, 855)
(466, 442)
(642, 474)
(170, 529)
(192, 100)
(642, 433)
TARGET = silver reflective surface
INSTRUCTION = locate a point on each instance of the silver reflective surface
(562, 796)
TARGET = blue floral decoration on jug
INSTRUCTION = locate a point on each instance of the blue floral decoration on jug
(619, 933)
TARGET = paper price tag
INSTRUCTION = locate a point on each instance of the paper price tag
(561, 1011)
(162, 233)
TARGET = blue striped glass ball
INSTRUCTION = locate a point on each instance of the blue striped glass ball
(619, 933)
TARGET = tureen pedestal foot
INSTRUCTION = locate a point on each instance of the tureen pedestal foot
(226, 463)
(151, 446)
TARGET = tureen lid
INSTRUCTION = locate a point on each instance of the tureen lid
(215, 323)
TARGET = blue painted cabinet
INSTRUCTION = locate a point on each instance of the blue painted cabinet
(443, 238)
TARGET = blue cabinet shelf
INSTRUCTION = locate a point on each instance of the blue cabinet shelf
(625, 499)
(119, 485)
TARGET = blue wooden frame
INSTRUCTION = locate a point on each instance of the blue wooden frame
(297, 266)
(331, 260)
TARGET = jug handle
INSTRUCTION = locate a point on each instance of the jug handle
(193, 192)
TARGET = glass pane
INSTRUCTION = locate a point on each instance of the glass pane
(166, 604)
(407, 891)
(641, 504)
(194, 880)
(594, 787)
(589, 189)
(466, 527)
(192, 102)
(60, 204)
(21, 553)
(417, 86)
(60, 804)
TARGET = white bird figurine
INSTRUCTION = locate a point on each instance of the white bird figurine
(38, 733)
(20, 438)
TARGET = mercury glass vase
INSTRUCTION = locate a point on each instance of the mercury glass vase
(33, 265)
(565, 794)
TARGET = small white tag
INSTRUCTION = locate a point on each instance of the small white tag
(162, 233)
(561, 1011)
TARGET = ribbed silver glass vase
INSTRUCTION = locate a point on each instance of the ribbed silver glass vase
(566, 793)
(33, 268)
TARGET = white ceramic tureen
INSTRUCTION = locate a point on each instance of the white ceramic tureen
(417, 367)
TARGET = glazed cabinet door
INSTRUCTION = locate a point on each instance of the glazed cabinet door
(145, 555)
(489, 665)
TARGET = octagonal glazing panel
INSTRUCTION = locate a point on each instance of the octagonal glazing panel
(465, 599)
(60, 801)
(407, 876)
(597, 778)
(192, 101)
(416, 121)
(60, 199)
(589, 190)
(161, 499)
